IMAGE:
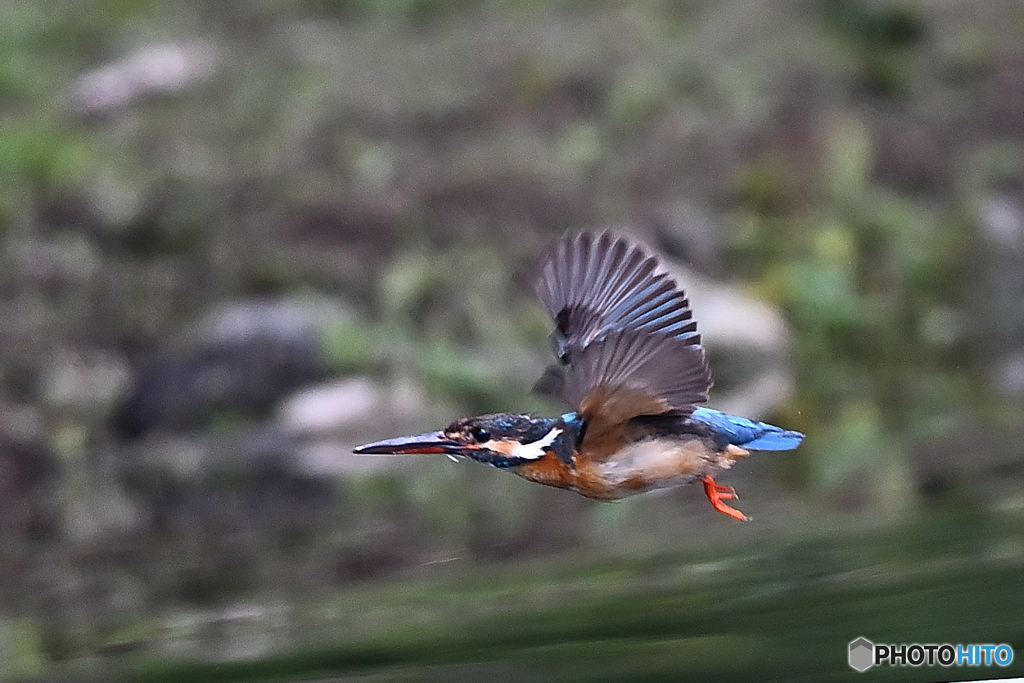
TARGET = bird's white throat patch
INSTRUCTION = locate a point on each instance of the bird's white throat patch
(535, 449)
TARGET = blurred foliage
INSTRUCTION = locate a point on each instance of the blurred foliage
(866, 275)
(768, 610)
(879, 36)
(459, 312)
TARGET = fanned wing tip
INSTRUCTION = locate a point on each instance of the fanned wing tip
(591, 285)
(571, 267)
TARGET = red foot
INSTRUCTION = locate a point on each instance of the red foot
(716, 494)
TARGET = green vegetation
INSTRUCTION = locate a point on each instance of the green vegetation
(770, 612)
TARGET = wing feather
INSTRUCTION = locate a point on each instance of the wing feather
(667, 370)
(593, 285)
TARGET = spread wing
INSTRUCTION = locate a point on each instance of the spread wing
(624, 331)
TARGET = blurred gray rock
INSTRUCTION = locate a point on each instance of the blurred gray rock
(328, 408)
(686, 231)
(329, 420)
(163, 68)
(1001, 219)
(239, 360)
(87, 383)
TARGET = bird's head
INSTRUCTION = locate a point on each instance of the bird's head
(500, 439)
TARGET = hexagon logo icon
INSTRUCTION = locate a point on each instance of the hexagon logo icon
(862, 654)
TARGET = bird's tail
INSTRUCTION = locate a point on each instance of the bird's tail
(739, 431)
(776, 439)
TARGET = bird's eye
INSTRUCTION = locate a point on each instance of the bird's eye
(480, 434)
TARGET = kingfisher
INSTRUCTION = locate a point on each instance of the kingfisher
(632, 369)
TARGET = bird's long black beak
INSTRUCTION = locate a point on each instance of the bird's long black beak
(431, 442)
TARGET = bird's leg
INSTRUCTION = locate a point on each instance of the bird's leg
(717, 494)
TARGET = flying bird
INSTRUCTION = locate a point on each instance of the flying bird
(632, 369)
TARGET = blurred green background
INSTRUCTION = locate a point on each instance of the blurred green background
(238, 238)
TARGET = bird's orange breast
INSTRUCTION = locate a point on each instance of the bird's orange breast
(548, 470)
(636, 468)
(581, 476)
